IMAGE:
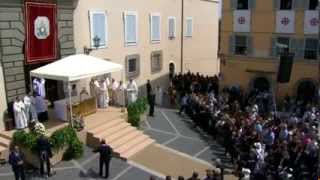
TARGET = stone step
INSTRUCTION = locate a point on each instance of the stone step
(131, 144)
(125, 139)
(105, 126)
(95, 122)
(6, 135)
(120, 134)
(136, 149)
(4, 152)
(109, 131)
(5, 142)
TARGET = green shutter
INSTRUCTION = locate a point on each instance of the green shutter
(273, 48)
(233, 4)
(276, 4)
(300, 49)
(249, 46)
(231, 44)
(252, 4)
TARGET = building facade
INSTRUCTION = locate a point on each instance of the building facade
(253, 35)
(145, 36)
(14, 75)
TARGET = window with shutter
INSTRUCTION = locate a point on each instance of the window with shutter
(98, 29)
(155, 28)
(282, 44)
(156, 61)
(243, 4)
(286, 4)
(172, 27)
(189, 29)
(131, 28)
(313, 4)
(241, 45)
(311, 49)
(132, 65)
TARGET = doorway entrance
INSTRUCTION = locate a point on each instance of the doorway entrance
(261, 84)
(306, 91)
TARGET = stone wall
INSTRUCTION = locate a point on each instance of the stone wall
(12, 36)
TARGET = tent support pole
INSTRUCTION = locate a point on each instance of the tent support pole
(70, 104)
(31, 84)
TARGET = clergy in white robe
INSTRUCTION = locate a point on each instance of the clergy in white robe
(19, 114)
(96, 86)
(132, 91)
(27, 104)
(103, 95)
(114, 88)
(159, 96)
(121, 101)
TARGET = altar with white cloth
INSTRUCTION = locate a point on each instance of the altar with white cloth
(83, 67)
(84, 106)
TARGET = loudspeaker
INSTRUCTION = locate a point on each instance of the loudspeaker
(285, 68)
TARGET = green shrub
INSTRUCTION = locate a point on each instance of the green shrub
(135, 110)
(27, 140)
(66, 137)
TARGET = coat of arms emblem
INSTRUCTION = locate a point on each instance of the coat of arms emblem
(41, 27)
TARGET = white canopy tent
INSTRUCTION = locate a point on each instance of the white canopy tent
(73, 68)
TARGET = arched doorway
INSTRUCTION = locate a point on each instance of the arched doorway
(171, 70)
(261, 84)
(306, 91)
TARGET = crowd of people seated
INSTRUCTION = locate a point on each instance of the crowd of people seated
(261, 141)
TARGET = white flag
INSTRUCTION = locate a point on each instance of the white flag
(311, 22)
(285, 21)
(241, 21)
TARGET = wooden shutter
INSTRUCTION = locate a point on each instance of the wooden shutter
(276, 4)
(297, 4)
(231, 44)
(252, 4)
(233, 4)
(273, 48)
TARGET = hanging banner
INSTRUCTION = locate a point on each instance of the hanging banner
(41, 32)
(241, 21)
(285, 22)
(311, 22)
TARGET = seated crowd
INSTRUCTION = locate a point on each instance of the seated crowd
(262, 142)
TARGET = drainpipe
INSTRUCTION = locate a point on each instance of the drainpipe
(182, 35)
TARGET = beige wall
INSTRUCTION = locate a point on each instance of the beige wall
(3, 101)
(205, 39)
(242, 70)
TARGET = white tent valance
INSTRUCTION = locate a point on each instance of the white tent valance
(76, 67)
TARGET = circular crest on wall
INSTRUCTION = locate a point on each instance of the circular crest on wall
(42, 27)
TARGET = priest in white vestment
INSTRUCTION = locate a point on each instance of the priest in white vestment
(103, 95)
(33, 110)
(159, 96)
(19, 114)
(121, 101)
(114, 88)
(132, 91)
(27, 104)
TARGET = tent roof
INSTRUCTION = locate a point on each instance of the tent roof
(76, 67)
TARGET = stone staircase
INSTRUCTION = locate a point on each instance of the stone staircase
(5, 141)
(111, 125)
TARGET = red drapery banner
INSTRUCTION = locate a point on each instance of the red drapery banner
(41, 32)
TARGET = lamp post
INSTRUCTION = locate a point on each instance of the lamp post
(96, 44)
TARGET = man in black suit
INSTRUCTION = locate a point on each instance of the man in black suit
(16, 162)
(105, 152)
(151, 98)
(45, 153)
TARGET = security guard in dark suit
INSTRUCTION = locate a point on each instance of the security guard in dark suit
(17, 164)
(45, 153)
(105, 152)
